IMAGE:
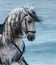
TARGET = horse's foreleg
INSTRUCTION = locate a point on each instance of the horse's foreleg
(22, 61)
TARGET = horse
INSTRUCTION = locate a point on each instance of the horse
(12, 47)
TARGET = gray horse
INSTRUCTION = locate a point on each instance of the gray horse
(12, 46)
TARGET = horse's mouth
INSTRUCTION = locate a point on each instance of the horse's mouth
(31, 37)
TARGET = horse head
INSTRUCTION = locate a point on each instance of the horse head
(19, 20)
(28, 23)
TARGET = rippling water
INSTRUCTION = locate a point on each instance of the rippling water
(43, 50)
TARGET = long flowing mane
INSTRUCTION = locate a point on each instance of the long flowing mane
(13, 25)
(2, 26)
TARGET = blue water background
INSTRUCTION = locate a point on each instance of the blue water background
(43, 50)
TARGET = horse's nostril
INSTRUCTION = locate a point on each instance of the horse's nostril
(32, 38)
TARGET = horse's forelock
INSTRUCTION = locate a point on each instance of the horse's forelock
(32, 14)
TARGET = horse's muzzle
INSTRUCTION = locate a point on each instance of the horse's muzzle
(30, 37)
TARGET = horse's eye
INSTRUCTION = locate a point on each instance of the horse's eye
(29, 21)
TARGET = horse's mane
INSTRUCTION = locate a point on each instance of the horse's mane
(2, 25)
(1, 28)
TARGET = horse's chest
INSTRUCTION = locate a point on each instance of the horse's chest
(7, 52)
(8, 49)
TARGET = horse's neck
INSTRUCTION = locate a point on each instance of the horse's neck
(8, 34)
(9, 31)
